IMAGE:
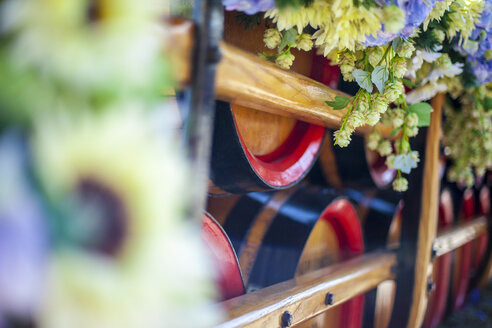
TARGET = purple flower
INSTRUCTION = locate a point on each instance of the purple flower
(475, 47)
(23, 237)
(482, 69)
(250, 7)
(415, 13)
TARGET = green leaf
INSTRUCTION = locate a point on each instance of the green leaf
(379, 77)
(363, 79)
(408, 83)
(394, 132)
(339, 102)
(288, 37)
(487, 104)
(396, 43)
(423, 111)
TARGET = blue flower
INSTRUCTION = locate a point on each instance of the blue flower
(23, 234)
(249, 7)
(482, 69)
(415, 11)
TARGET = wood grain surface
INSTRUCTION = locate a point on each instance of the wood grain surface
(304, 296)
(247, 80)
(429, 211)
(450, 239)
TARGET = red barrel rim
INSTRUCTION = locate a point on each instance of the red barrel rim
(343, 218)
(442, 267)
(229, 279)
(480, 244)
(294, 157)
(460, 283)
(381, 174)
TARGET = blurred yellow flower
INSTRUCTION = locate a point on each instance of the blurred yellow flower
(89, 45)
(124, 256)
(340, 23)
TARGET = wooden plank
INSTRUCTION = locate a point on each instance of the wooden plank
(247, 80)
(450, 239)
(304, 297)
(428, 214)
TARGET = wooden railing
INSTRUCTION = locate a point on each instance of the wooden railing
(306, 296)
(448, 240)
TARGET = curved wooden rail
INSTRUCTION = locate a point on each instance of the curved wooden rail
(448, 240)
(248, 80)
(306, 296)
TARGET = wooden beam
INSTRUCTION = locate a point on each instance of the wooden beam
(304, 297)
(428, 214)
(450, 239)
(250, 81)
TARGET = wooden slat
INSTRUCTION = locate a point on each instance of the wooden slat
(428, 215)
(248, 80)
(304, 296)
(450, 239)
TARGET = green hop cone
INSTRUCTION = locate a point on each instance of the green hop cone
(390, 161)
(373, 118)
(400, 65)
(272, 38)
(412, 119)
(405, 50)
(364, 100)
(384, 148)
(392, 91)
(400, 184)
(373, 140)
(379, 103)
(355, 119)
(346, 70)
(285, 60)
(304, 42)
(342, 137)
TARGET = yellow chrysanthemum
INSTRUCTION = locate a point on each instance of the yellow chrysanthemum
(340, 24)
(464, 15)
(437, 12)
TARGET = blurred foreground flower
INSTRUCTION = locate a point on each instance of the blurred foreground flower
(123, 255)
(102, 47)
(23, 234)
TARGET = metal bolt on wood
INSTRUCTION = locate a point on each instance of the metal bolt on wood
(329, 299)
(286, 319)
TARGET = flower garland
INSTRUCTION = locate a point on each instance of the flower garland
(424, 46)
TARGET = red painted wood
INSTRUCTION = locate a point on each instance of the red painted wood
(460, 282)
(293, 159)
(480, 245)
(343, 218)
(442, 268)
(229, 279)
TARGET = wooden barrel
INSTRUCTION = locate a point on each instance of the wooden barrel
(464, 210)
(380, 213)
(441, 269)
(254, 150)
(228, 278)
(284, 234)
(355, 166)
(479, 246)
